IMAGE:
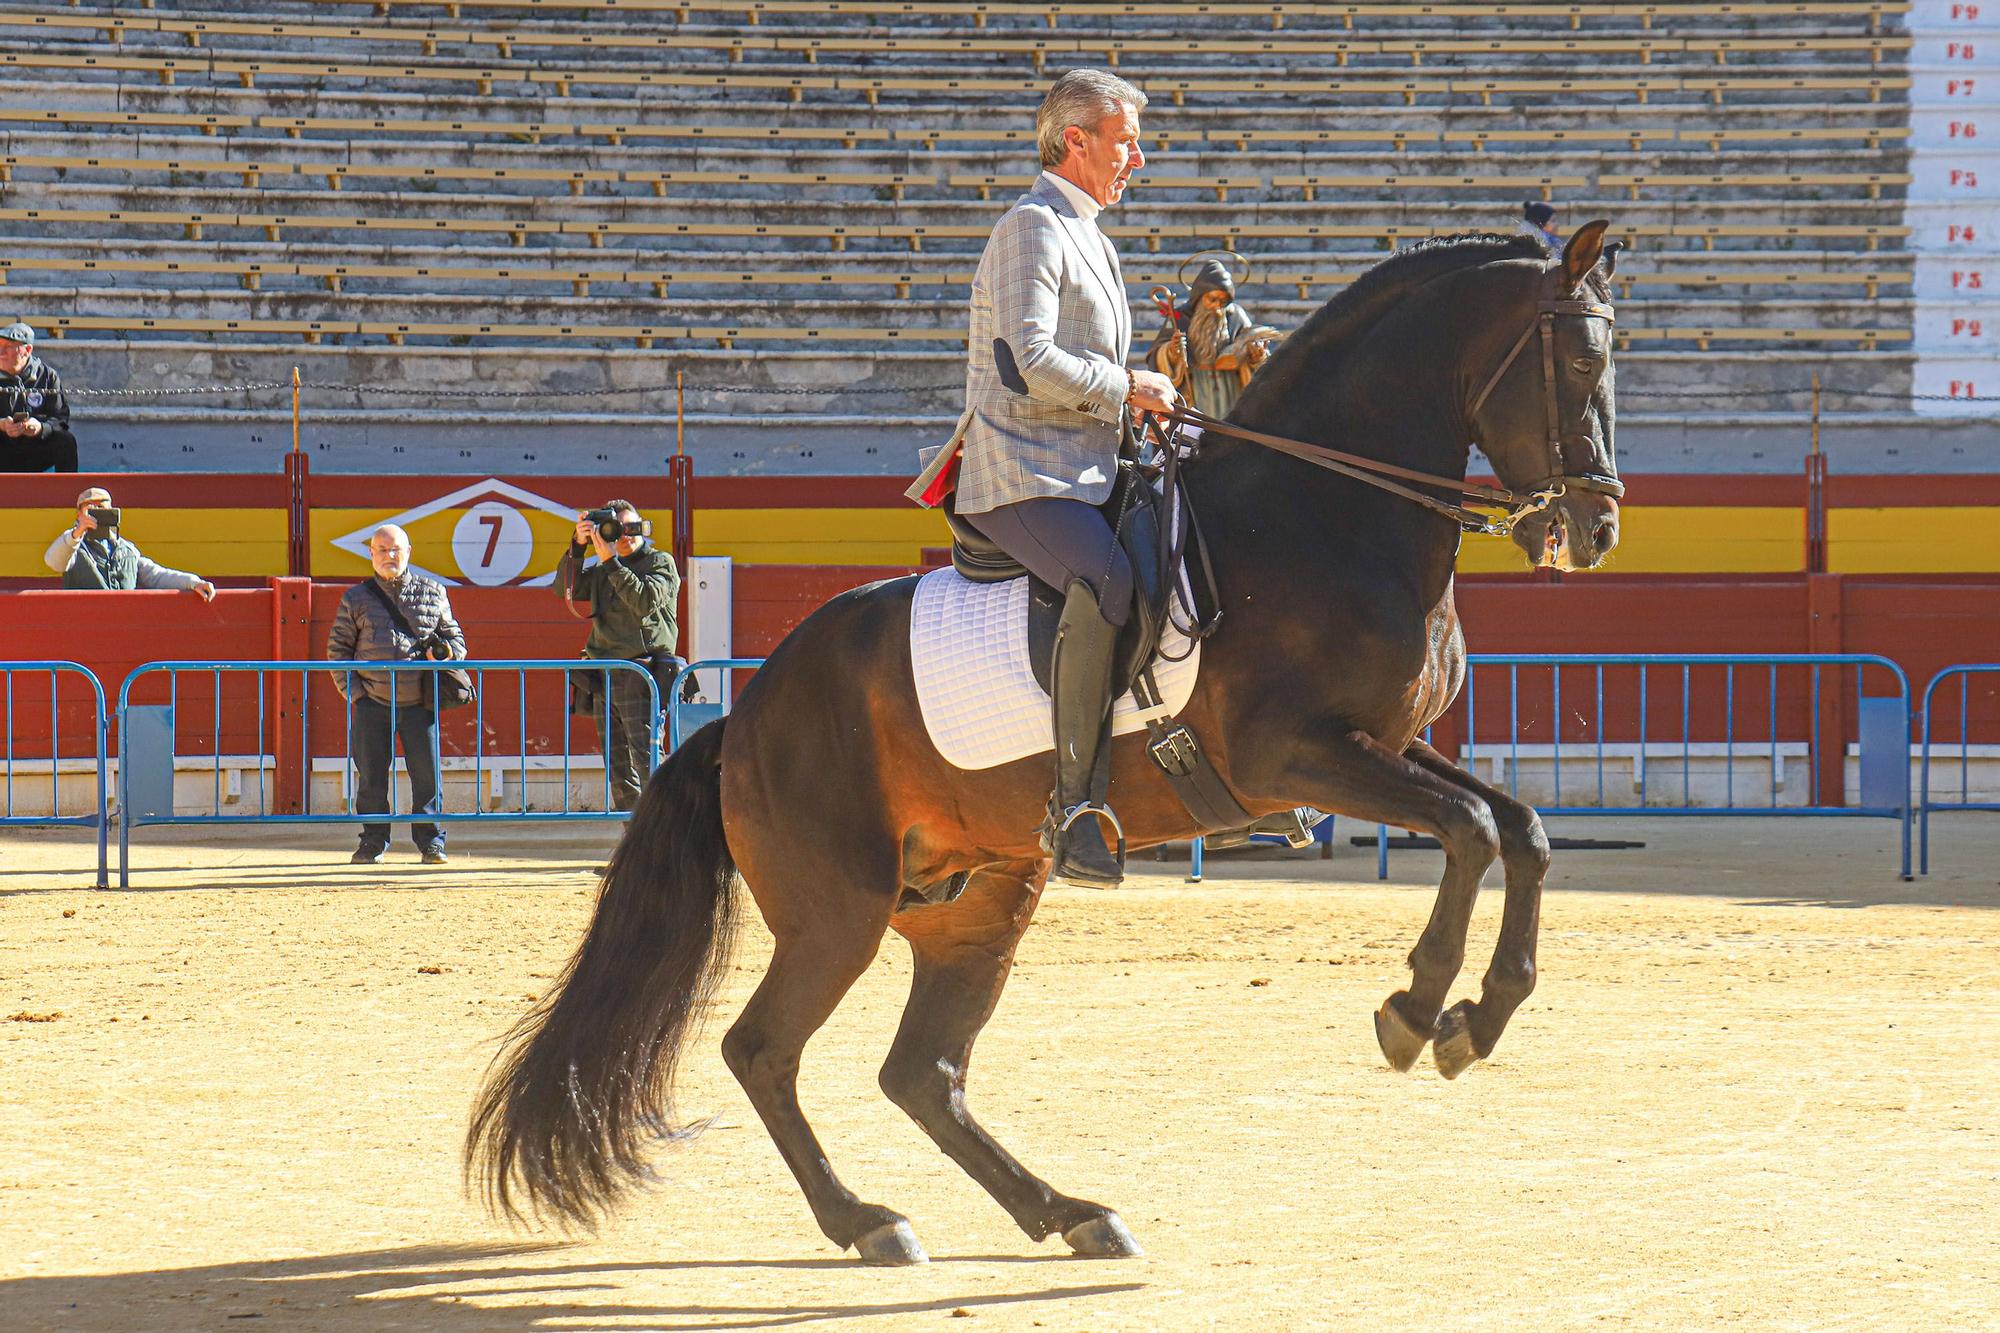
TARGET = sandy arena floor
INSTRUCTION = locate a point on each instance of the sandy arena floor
(1756, 1089)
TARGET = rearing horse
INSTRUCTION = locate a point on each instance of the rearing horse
(1339, 644)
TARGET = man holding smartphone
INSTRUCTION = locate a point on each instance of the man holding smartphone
(91, 554)
(34, 415)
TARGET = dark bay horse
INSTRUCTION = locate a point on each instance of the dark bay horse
(1338, 645)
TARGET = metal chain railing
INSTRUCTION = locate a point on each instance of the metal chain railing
(795, 391)
(419, 391)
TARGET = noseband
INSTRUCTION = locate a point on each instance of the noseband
(1548, 305)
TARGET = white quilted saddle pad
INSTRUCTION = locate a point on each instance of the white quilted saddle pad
(981, 705)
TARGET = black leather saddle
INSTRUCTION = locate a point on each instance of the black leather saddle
(1134, 512)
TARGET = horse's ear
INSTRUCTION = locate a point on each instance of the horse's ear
(1586, 246)
(1611, 252)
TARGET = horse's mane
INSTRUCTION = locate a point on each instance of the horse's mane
(1324, 338)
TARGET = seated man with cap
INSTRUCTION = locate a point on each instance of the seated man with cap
(34, 415)
(92, 555)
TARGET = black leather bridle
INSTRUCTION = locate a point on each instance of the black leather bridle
(1518, 505)
(1549, 304)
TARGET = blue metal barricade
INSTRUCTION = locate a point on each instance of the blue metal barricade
(1926, 802)
(148, 741)
(1744, 731)
(1747, 732)
(684, 719)
(16, 765)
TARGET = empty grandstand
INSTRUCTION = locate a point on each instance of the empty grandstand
(782, 202)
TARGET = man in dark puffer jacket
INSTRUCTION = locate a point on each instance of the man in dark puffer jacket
(633, 591)
(364, 631)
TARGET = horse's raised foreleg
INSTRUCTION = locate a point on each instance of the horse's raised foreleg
(809, 975)
(1468, 1031)
(1356, 775)
(964, 951)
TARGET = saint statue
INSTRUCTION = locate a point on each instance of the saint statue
(1208, 345)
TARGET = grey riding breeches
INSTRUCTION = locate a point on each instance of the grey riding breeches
(1061, 540)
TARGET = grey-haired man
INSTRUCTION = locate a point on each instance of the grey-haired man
(1046, 391)
(34, 415)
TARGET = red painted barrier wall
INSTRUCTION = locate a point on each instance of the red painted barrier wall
(1923, 625)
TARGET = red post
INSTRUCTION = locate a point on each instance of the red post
(291, 640)
(1815, 494)
(1825, 633)
(680, 470)
(298, 517)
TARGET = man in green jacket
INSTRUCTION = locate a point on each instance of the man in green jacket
(634, 591)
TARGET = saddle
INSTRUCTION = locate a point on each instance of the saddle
(1134, 513)
(1143, 515)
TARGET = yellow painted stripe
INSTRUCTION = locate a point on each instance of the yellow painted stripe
(1686, 539)
(1663, 539)
(214, 543)
(820, 536)
(1933, 539)
(1660, 539)
(1676, 539)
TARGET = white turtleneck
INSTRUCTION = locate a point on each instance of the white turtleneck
(1086, 207)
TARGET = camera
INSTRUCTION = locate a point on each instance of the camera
(608, 527)
(105, 518)
(433, 647)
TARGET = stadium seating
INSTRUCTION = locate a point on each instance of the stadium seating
(492, 171)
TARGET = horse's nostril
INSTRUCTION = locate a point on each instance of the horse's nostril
(1605, 534)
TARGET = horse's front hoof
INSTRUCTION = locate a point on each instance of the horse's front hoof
(1103, 1237)
(891, 1245)
(1401, 1043)
(1452, 1046)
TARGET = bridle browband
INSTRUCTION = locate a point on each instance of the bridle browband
(1389, 477)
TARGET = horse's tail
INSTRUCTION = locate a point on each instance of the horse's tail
(586, 1077)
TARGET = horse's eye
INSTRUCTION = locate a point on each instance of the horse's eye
(1583, 365)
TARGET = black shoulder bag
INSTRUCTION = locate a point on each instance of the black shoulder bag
(449, 688)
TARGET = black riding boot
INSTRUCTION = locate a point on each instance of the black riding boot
(1080, 683)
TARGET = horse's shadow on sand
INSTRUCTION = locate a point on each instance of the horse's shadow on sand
(458, 1287)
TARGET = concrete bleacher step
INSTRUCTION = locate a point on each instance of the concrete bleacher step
(1443, 204)
(1650, 307)
(747, 107)
(876, 81)
(70, 151)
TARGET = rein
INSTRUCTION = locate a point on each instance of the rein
(1391, 478)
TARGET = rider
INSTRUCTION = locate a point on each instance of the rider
(1046, 395)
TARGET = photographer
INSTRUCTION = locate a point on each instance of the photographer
(91, 554)
(34, 415)
(633, 591)
(395, 616)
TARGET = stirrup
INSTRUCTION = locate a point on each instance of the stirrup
(1102, 811)
(1056, 827)
(1295, 826)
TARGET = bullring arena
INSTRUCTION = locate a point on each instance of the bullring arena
(322, 278)
(1754, 1089)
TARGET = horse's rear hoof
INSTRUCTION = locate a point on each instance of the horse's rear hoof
(1452, 1046)
(1401, 1043)
(1103, 1237)
(892, 1245)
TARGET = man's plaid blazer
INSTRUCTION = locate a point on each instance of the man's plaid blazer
(1045, 384)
